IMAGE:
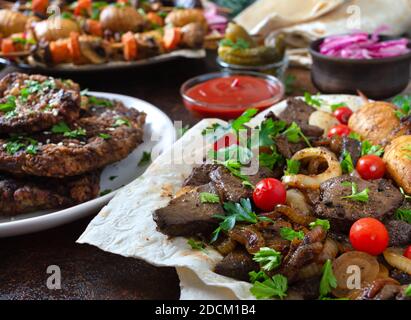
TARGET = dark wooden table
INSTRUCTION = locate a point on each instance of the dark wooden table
(87, 272)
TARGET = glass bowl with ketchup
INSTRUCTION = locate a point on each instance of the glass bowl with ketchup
(228, 94)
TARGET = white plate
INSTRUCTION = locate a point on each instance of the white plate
(159, 134)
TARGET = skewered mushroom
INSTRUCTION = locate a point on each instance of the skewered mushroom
(121, 19)
(55, 28)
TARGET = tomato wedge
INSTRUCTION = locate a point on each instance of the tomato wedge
(59, 51)
(74, 46)
(155, 19)
(130, 46)
(94, 27)
(83, 7)
(7, 46)
(171, 38)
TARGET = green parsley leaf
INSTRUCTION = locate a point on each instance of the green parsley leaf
(207, 197)
(67, 15)
(328, 280)
(368, 148)
(335, 106)
(404, 106)
(247, 115)
(101, 102)
(269, 160)
(145, 159)
(234, 167)
(80, 132)
(196, 245)
(17, 143)
(309, 99)
(355, 195)
(257, 276)
(408, 291)
(268, 258)
(347, 165)
(323, 223)
(9, 105)
(105, 136)
(63, 128)
(31, 149)
(294, 134)
(275, 287)
(10, 114)
(120, 121)
(293, 167)
(60, 127)
(355, 136)
(290, 234)
(104, 192)
(13, 146)
(269, 129)
(403, 214)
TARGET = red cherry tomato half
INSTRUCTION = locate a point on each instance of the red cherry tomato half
(370, 167)
(343, 114)
(369, 235)
(225, 141)
(339, 130)
(407, 252)
(268, 193)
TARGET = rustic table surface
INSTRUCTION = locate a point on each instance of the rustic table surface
(87, 272)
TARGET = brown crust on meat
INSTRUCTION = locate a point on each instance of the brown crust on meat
(59, 156)
(42, 108)
(20, 195)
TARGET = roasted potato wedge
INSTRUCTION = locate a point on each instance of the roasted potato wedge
(376, 122)
(397, 158)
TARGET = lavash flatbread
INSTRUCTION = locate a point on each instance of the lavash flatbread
(125, 226)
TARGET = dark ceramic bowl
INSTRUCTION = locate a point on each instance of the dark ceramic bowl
(376, 78)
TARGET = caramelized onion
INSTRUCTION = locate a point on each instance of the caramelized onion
(397, 260)
(383, 273)
(330, 251)
(225, 246)
(296, 200)
(312, 270)
(294, 215)
(313, 182)
(368, 265)
(323, 120)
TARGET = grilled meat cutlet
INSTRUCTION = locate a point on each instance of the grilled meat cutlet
(31, 103)
(26, 194)
(106, 132)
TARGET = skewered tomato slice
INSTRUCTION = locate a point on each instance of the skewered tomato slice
(343, 114)
(268, 193)
(130, 46)
(369, 235)
(83, 6)
(371, 167)
(171, 38)
(407, 252)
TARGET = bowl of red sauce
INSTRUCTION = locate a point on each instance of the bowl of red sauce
(228, 94)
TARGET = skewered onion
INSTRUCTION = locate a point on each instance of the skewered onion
(397, 260)
(313, 182)
(323, 120)
(367, 264)
(55, 28)
(121, 19)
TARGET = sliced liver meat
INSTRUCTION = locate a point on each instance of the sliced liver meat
(200, 175)
(237, 264)
(187, 216)
(384, 198)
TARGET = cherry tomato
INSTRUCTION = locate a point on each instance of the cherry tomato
(407, 252)
(369, 235)
(225, 141)
(339, 130)
(371, 167)
(343, 114)
(268, 193)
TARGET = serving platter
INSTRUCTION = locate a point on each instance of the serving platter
(110, 66)
(159, 135)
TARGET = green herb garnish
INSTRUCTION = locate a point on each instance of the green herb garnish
(403, 214)
(328, 280)
(309, 99)
(404, 106)
(290, 234)
(120, 121)
(18, 143)
(323, 223)
(407, 291)
(347, 165)
(355, 136)
(269, 160)
(145, 159)
(257, 276)
(9, 105)
(355, 195)
(63, 128)
(293, 167)
(196, 245)
(335, 106)
(105, 136)
(269, 129)
(276, 286)
(368, 148)
(99, 102)
(268, 258)
(294, 134)
(207, 197)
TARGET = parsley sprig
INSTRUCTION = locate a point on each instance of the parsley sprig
(236, 212)
(403, 214)
(368, 148)
(294, 134)
(347, 165)
(63, 128)
(18, 143)
(323, 223)
(328, 280)
(404, 106)
(355, 195)
(276, 286)
(290, 234)
(145, 159)
(268, 258)
(197, 245)
(9, 105)
(293, 167)
(314, 102)
(208, 197)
